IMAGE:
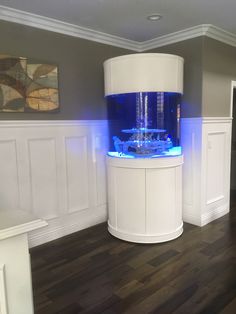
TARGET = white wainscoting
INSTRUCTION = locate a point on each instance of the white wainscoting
(206, 171)
(55, 169)
(3, 295)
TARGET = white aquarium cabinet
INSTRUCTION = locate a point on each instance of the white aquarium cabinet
(143, 94)
(145, 198)
(15, 268)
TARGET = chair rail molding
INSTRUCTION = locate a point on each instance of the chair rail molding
(56, 170)
(206, 146)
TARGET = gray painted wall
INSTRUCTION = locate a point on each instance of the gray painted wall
(219, 69)
(80, 64)
(208, 70)
(191, 51)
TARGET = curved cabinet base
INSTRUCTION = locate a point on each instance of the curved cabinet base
(146, 238)
(145, 198)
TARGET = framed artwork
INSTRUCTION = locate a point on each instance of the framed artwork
(27, 85)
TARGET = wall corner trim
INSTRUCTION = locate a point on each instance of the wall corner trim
(41, 22)
(188, 33)
(222, 35)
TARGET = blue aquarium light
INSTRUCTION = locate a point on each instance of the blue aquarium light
(144, 124)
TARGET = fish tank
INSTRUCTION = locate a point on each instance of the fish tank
(144, 124)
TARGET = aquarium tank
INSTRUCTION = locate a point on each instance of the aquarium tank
(144, 124)
(143, 94)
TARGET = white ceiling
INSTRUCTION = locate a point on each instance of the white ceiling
(127, 18)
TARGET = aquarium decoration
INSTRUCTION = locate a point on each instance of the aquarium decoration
(144, 125)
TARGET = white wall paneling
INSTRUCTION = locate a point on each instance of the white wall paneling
(233, 149)
(206, 172)
(100, 141)
(43, 177)
(9, 187)
(55, 169)
(77, 173)
(3, 297)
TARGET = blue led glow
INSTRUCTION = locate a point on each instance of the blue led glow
(174, 151)
(144, 125)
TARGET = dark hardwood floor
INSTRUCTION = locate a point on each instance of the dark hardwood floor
(92, 272)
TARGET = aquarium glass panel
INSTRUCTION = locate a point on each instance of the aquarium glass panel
(144, 125)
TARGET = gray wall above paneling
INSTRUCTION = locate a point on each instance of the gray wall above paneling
(219, 69)
(80, 66)
(191, 51)
(209, 68)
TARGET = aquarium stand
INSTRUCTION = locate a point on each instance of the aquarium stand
(145, 198)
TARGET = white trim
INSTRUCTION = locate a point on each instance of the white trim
(220, 34)
(3, 296)
(188, 33)
(53, 123)
(214, 200)
(66, 225)
(190, 217)
(233, 86)
(214, 214)
(41, 22)
(207, 120)
(145, 238)
(22, 228)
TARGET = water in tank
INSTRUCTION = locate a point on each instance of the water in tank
(144, 124)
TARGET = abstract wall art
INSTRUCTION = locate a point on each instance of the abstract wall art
(27, 85)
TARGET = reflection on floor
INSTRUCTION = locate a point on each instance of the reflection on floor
(92, 272)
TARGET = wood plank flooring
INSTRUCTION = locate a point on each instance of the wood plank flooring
(92, 272)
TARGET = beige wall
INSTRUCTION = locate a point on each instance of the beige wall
(80, 64)
(191, 51)
(219, 69)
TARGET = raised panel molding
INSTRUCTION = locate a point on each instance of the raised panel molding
(61, 173)
(101, 142)
(77, 173)
(215, 166)
(9, 187)
(206, 172)
(43, 177)
(3, 295)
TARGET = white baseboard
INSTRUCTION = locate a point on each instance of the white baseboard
(214, 214)
(63, 226)
(191, 218)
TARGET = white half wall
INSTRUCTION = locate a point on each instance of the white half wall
(55, 169)
(3, 293)
(206, 146)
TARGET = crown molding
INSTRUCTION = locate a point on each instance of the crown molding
(220, 34)
(188, 33)
(49, 24)
(41, 22)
